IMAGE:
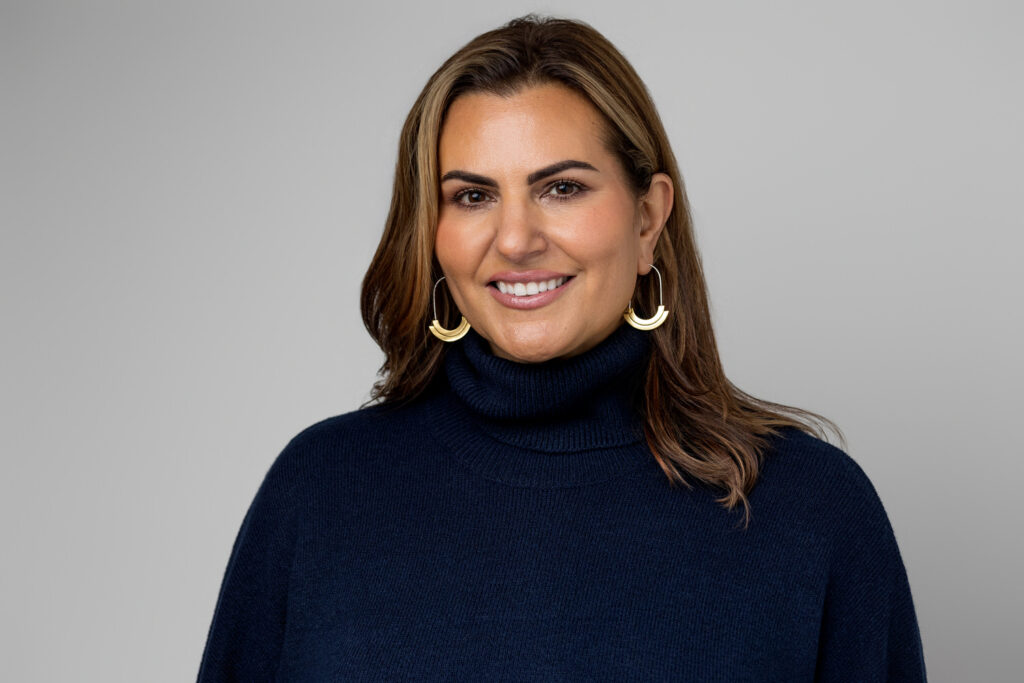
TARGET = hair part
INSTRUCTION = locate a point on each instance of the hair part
(697, 423)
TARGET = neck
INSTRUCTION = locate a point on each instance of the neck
(553, 421)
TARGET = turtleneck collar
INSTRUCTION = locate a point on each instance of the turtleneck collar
(561, 422)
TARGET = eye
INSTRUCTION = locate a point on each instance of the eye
(564, 189)
(470, 197)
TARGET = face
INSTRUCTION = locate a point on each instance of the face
(539, 234)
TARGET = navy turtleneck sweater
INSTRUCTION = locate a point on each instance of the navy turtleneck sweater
(513, 525)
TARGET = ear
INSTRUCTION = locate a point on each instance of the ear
(655, 207)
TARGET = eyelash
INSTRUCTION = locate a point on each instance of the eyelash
(579, 189)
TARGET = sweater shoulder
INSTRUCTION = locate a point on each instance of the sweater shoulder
(815, 480)
(814, 464)
(354, 428)
(343, 446)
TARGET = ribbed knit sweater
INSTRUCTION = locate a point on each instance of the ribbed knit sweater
(512, 524)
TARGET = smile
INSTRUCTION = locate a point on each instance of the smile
(529, 288)
(529, 294)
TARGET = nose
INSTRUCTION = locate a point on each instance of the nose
(520, 233)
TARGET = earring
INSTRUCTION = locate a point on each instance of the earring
(438, 331)
(654, 321)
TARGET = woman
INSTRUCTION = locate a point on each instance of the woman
(557, 480)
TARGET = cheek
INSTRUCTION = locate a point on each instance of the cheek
(602, 240)
(459, 249)
(446, 245)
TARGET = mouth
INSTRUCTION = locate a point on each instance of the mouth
(529, 288)
(529, 294)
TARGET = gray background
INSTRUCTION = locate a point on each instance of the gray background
(190, 193)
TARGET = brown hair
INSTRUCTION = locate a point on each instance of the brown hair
(697, 422)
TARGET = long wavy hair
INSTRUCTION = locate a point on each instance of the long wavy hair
(697, 423)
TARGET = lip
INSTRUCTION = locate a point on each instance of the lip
(526, 275)
(533, 300)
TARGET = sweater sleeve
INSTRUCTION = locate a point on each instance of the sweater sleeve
(245, 637)
(869, 629)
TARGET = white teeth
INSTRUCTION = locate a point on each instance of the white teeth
(530, 288)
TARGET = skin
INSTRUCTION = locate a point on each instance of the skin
(580, 222)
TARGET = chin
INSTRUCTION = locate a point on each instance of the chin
(530, 349)
(531, 357)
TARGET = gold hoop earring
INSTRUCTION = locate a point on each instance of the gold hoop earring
(654, 321)
(440, 332)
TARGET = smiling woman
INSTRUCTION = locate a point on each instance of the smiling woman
(539, 233)
(550, 489)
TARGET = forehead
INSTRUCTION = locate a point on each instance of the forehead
(531, 128)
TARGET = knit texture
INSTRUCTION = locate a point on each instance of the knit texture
(512, 524)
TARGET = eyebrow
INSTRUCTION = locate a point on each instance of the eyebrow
(554, 168)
